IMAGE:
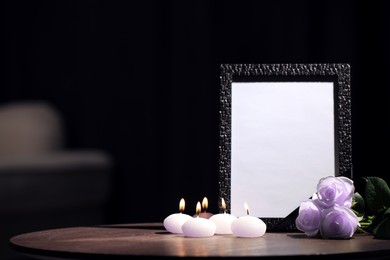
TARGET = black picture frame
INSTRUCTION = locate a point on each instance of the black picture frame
(338, 73)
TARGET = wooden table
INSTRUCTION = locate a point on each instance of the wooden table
(152, 240)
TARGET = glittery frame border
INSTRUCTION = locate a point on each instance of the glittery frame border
(343, 138)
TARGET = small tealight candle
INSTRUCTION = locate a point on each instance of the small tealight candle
(223, 221)
(198, 227)
(248, 226)
(174, 222)
(205, 205)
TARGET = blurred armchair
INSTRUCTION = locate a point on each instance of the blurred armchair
(43, 185)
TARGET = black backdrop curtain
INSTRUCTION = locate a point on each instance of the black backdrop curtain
(140, 80)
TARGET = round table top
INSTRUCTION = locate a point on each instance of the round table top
(151, 239)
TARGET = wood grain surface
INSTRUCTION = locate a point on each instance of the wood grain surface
(152, 240)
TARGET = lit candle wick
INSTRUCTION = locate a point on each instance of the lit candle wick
(181, 205)
(246, 208)
(223, 205)
(198, 209)
(205, 204)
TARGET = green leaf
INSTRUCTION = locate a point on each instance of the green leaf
(387, 212)
(358, 204)
(377, 194)
(382, 230)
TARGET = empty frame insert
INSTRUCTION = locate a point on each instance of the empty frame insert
(283, 127)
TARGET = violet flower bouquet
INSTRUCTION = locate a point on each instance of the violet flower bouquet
(336, 211)
(329, 212)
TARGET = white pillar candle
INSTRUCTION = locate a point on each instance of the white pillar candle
(198, 227)
(248, 226)
(223, 221)
(174, 222)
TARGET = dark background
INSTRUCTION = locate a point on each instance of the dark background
(140, 80)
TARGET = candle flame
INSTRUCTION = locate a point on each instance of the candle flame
(182, 205)
(198, 208)
(223, 204)
(246, 208)
(205, 203)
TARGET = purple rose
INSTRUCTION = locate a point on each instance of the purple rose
(334, 191)
(338, 222)
(308, 219)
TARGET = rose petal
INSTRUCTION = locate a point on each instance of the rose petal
(333, 190)
(308, 219)
(338, 222)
